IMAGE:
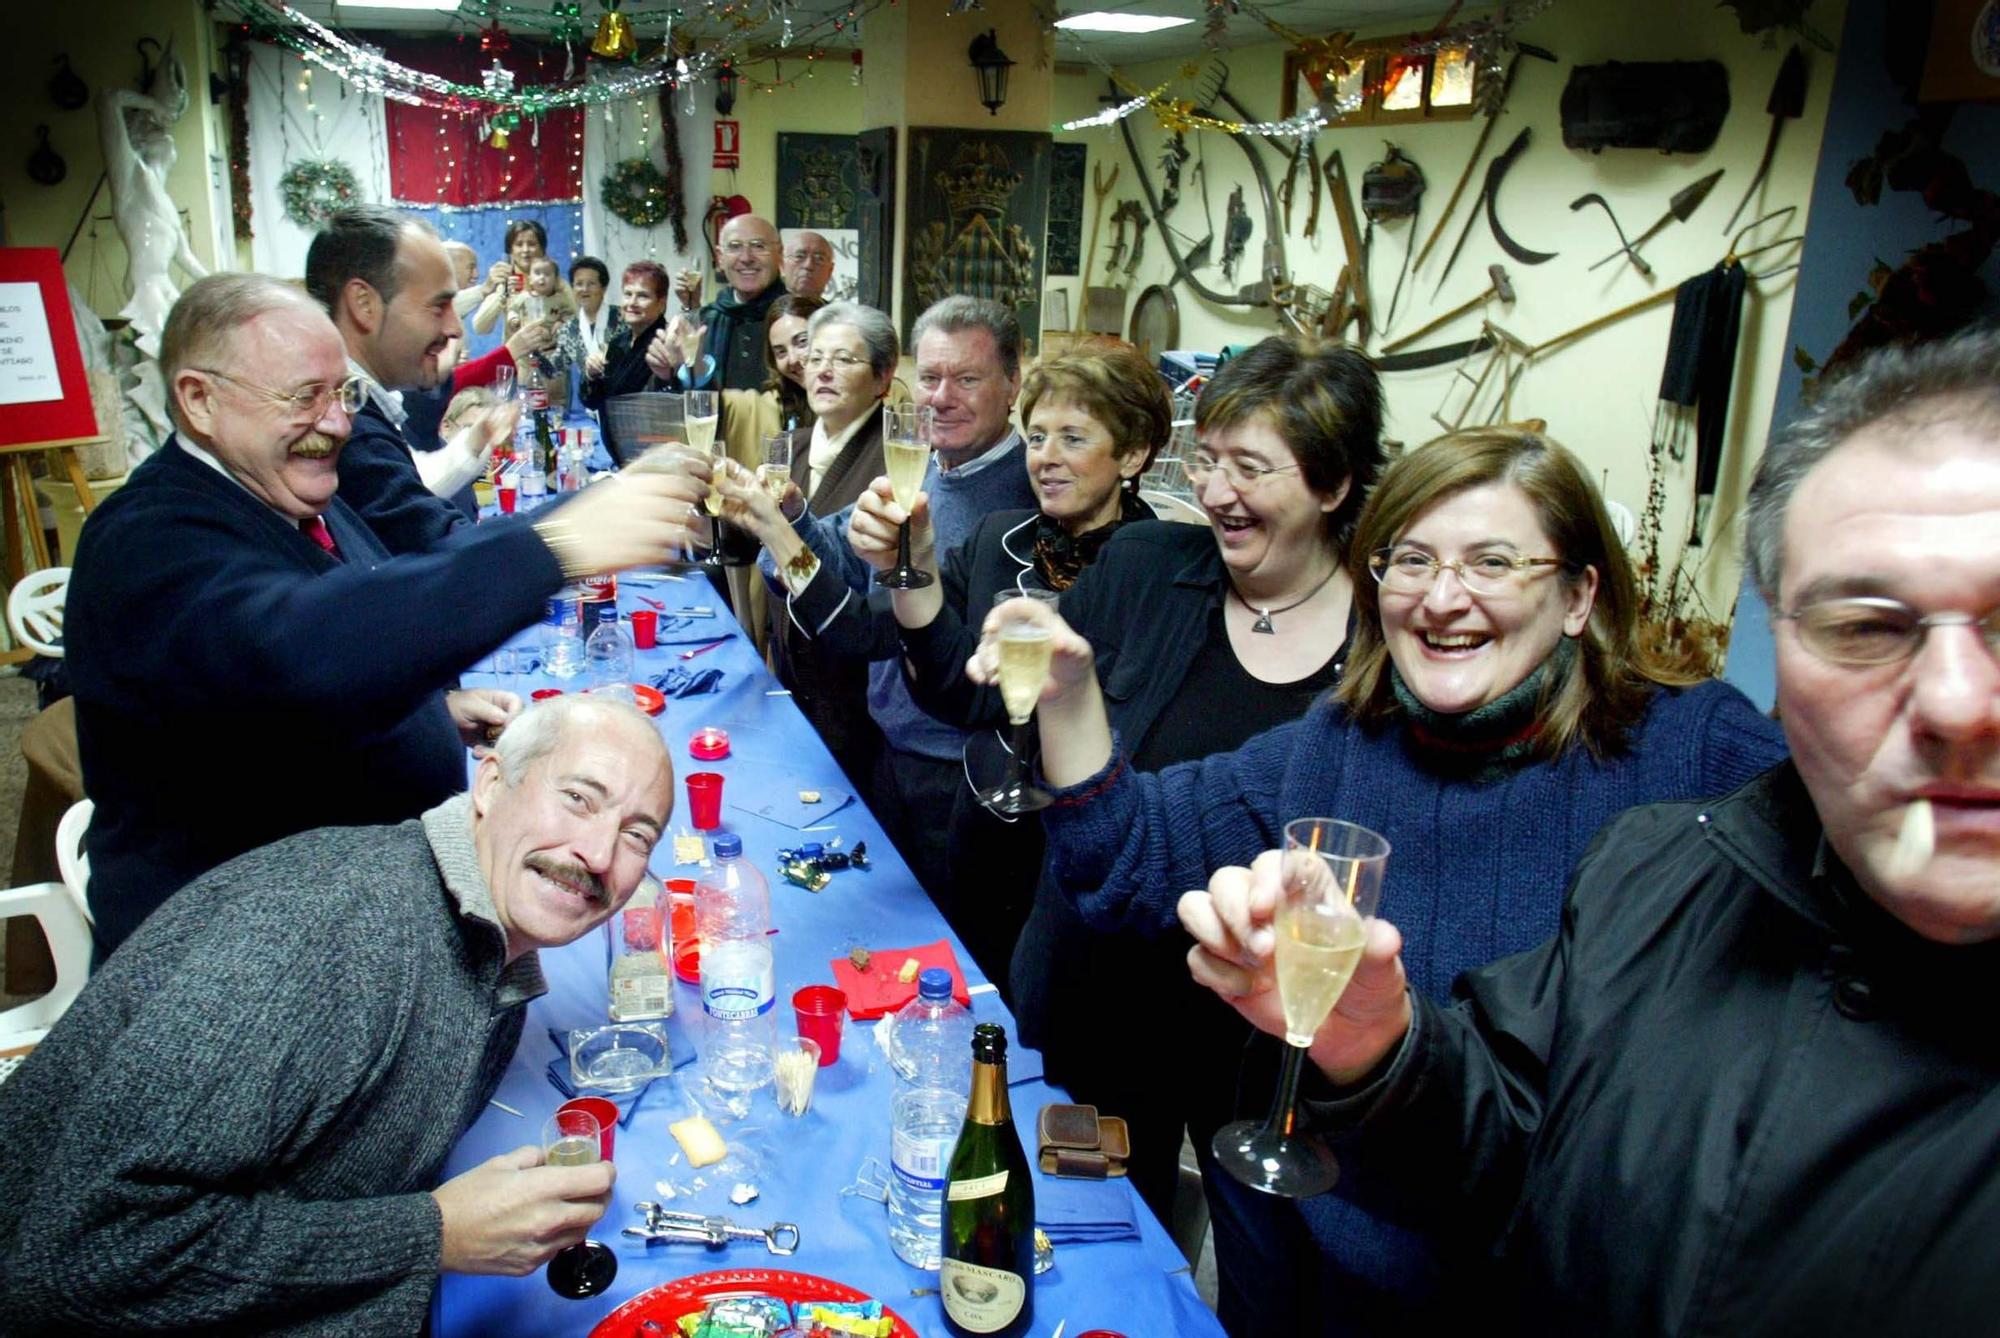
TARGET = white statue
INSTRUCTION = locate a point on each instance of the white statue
(137, 135)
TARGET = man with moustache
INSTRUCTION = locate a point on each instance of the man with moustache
(279, 1062)
(808, 264)
(249, 659)
(1751, 1087)
(733, 348)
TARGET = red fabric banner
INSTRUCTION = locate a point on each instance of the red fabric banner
(439, 157)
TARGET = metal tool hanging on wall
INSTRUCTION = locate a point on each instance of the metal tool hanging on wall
(1501, 285)
(1350, 292)
(1128, 212)
(1101, 186)
(1391, 189)
(1496, 172)
(1584, 201)
(1498, 105)
(1236, 230)
(1273, 281)
(1786, 103)
(1679, 210)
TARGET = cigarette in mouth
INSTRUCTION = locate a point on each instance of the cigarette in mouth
(1915, 842)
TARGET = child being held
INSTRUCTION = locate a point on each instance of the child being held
(546, 298)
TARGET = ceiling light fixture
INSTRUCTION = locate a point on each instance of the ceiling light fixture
(1103, 21)
(440, 6)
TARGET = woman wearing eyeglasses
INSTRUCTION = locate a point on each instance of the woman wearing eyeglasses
(1286, 444)
(847, 371)
(1499, 705)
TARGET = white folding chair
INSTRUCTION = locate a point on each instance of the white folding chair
(23, 1026)
(35, 610)
(71, 858)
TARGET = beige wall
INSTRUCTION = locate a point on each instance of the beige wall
(826, 104)
(99, 38)
(1598, 395)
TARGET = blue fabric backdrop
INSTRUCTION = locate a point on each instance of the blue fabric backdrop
(485, 231)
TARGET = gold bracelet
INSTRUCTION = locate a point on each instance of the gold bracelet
(561, 537)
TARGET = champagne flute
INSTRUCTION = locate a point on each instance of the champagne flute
(503, 381)
(1331, 884)
(775, 474)
(906, 453)
(1025, 648)
(574, 1138)
(700, 417)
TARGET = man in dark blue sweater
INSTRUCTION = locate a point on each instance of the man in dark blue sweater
(249, 659)
(388, 284)
(968, 354)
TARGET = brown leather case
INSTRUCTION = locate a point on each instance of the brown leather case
(1079, 1143)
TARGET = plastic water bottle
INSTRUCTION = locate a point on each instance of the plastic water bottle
(933, 1079)
(608, 655)
(732, 907)
(562, 635)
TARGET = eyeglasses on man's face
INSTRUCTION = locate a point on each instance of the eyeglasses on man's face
(1242, 475)
(753, 246)
(309, 402)
(1412, 571)
(1868, 630)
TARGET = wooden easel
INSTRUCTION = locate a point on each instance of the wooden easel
(17, 495)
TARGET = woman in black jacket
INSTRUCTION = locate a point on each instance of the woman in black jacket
(1204, 636)
(620, 368)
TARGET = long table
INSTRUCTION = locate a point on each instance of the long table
(1141, 1288)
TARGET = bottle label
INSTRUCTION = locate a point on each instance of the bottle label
(980, 1299)
(919, 1162)
(737, 981)
(734, 1003)
(980, 1187)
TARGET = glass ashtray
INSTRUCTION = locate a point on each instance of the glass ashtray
(621, 1057)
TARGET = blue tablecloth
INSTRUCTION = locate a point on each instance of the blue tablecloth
(1140, 1287)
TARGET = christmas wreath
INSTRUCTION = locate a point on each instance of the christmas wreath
(637, 192)
(313, 188)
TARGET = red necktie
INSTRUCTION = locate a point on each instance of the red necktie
(316, 530)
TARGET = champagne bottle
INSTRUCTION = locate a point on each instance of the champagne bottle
(987, 1274)
(545, 443)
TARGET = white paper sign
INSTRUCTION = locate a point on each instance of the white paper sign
(27, 357)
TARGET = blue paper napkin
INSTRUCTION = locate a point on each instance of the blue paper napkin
(679, 1049)
(1074, 1212)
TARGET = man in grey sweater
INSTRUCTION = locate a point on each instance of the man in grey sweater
(239, 1125)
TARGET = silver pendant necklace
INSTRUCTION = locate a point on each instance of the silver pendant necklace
(1264, 616)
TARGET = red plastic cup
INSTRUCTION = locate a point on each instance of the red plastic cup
(681, 941)
(822, 1013)
(645, 628)
(606, 1115)
(506, 492)
(705, 800)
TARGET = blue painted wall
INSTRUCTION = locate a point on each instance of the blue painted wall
(1843, 241)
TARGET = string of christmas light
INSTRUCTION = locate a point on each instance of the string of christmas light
(1178, 115)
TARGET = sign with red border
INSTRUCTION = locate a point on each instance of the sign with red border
(44, 393)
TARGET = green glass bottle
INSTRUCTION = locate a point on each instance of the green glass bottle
(987, 1274)
(545, 443)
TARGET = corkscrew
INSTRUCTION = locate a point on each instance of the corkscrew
(662, 1224)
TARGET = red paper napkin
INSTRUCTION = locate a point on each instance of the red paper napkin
(876, 991)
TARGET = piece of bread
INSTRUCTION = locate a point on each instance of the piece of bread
(698, 1138)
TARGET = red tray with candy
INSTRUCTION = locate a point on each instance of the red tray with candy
(667, 1304)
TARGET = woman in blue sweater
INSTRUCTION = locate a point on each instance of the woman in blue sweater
(1499, 705)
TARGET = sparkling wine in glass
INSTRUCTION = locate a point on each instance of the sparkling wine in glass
(906, 453)
(775, 474)
(573, 1138)
(1332, 882)
(1025, 644)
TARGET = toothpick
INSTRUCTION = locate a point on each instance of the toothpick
(1915, 842)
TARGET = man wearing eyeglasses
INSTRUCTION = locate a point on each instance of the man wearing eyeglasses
(733, 349)
(1752, 1086)
(249, 658)
(808, 264)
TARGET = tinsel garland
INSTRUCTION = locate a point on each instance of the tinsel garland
(238, 56)
(636, 192)
(676, 196)
(313, 188)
